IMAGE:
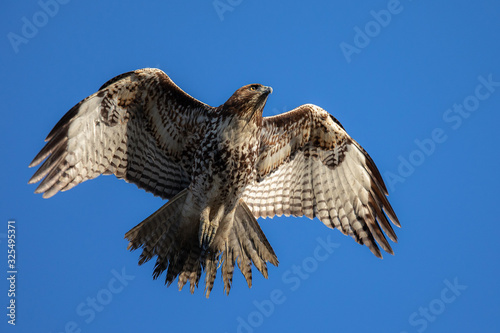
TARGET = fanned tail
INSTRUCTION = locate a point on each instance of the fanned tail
(244, 244)
(173, 239)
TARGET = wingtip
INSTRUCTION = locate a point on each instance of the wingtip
(32, 180)
(47, 195)
(33, 163)
(389, 211)
(376, 251)
(395, 239)
(37, 160)
(396, 222)
(388, 250)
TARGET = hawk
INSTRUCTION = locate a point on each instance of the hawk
(220, 168)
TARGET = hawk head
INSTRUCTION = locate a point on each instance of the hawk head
(248, 101)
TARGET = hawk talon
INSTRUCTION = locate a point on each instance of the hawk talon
(207, 234)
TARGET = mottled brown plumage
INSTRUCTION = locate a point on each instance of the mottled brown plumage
(219, 168)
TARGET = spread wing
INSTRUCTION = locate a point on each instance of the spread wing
(139, 126)
(309, 165)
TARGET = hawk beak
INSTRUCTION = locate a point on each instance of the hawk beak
(268, 90)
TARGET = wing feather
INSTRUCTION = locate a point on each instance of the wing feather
(309, 165)
(139, 126)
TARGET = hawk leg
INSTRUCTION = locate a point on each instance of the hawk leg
(208, 228)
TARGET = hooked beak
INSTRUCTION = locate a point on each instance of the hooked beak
(268, 90)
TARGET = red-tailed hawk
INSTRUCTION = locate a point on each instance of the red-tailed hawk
(220, 168)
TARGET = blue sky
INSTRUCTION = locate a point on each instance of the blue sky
(417, 83)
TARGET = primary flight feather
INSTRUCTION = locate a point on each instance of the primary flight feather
(220, 168)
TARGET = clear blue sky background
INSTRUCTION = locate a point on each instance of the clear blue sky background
(397, 87)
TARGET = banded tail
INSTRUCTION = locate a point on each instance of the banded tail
(174, 239)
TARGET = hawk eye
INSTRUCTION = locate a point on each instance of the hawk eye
(253, 88)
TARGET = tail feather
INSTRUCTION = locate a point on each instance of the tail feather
(211, 266)
(191, 270)
(175, 244)
(176, 265)
(227, 270)
(148, 231)
(252, 229)
(245, 266)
